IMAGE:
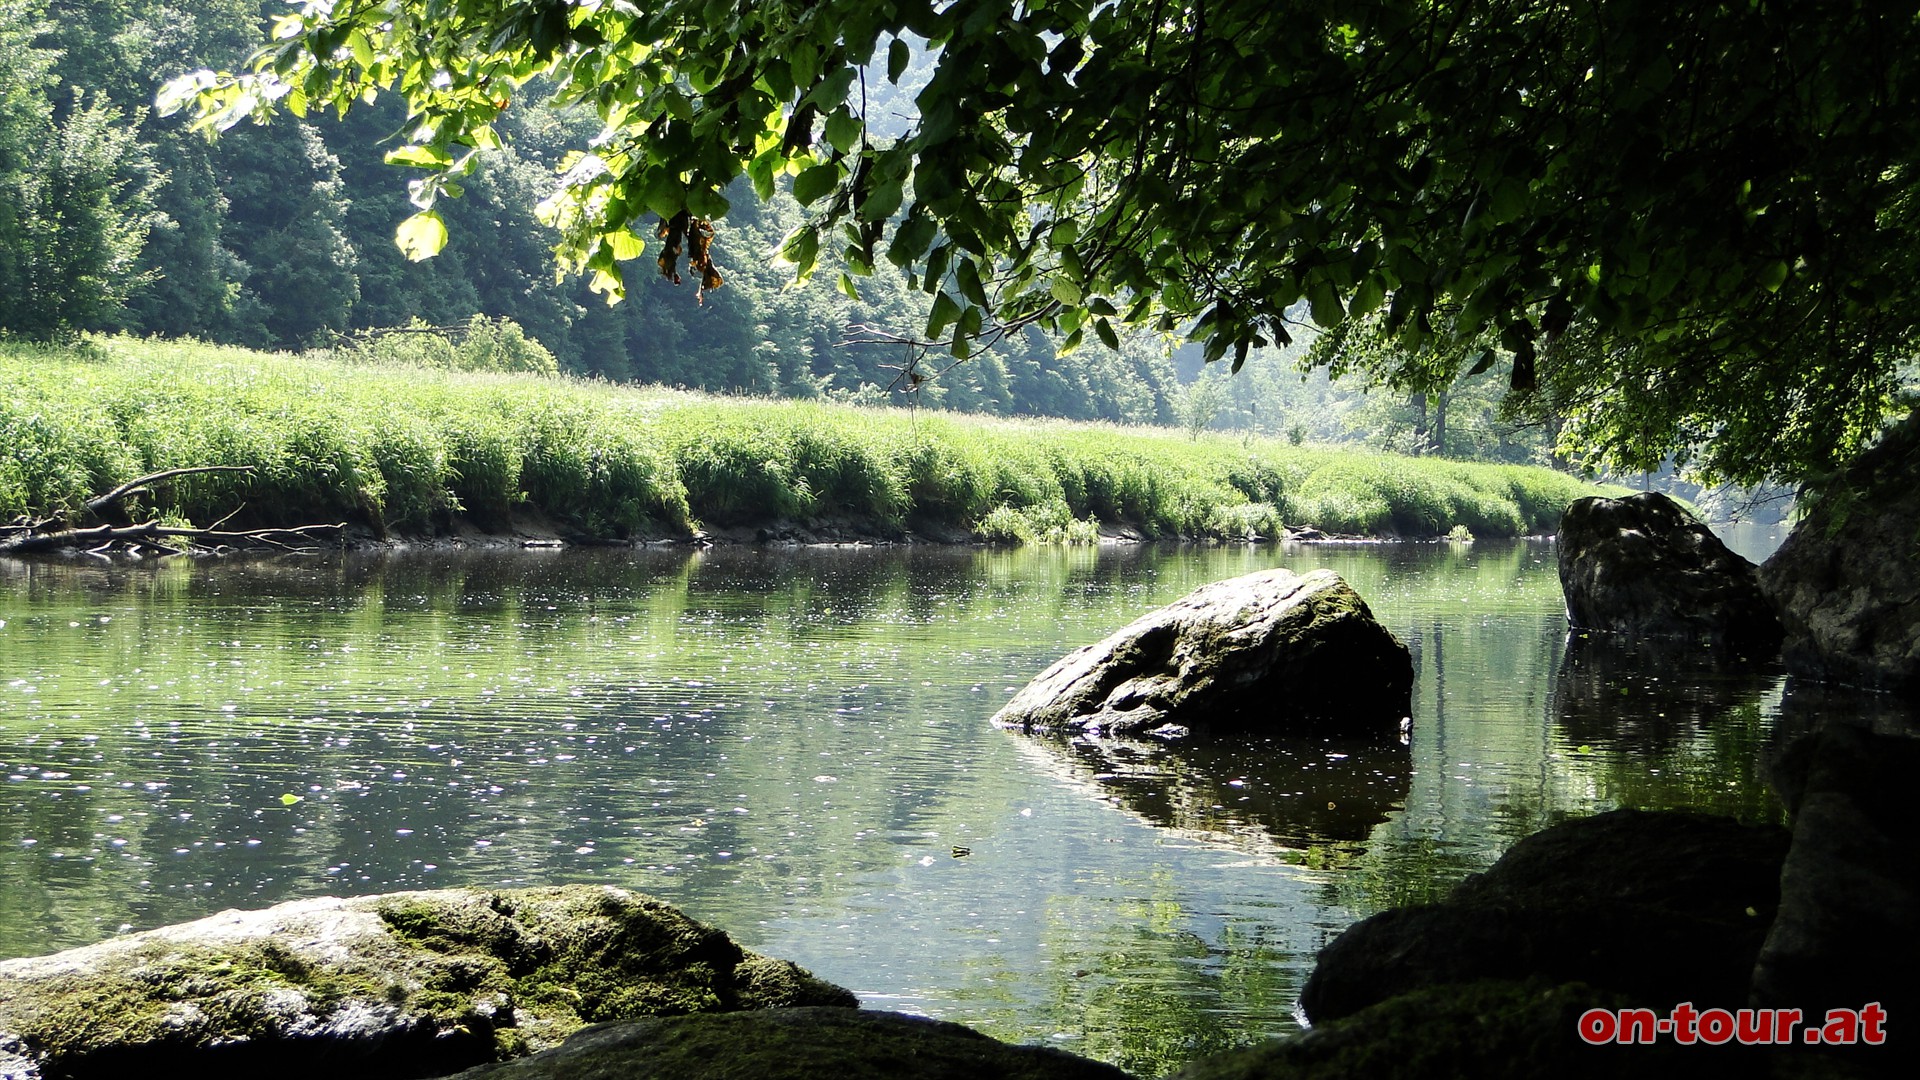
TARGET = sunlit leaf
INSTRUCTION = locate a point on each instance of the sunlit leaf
(421, 236)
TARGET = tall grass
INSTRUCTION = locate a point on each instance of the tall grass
(409, 449)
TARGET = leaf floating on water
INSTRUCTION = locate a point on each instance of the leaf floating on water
(290, 799)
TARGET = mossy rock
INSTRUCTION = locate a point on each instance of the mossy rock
(794, 1044)
(401, 985)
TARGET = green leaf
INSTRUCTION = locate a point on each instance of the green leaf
(1509, 202)
(1367, 297)
(1064, 290)
(846, 287)
(707, 203)
(800, 249)
(843, 130)
(663, 193)
(1107, 337)
(1325, 303)
(831, 91)
(422, 235)
(899, 56)
(290, 799)
(882, 200)
(424, 157)
(1482, 364)
(945, 311)
(625, 245)
(810, 185)
(1774, 275)
(967, 274)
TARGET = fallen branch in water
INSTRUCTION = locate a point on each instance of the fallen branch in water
(26, 536)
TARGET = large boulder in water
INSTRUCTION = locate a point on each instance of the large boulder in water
(1847, 580)
(1644, 565)
(401, 985)
(1270, 652)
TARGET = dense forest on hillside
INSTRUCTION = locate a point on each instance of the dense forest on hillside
(282, 237)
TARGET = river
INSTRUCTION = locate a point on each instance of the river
(793, 745)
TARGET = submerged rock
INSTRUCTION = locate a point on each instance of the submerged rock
(795, 1044)
(1846, 581)
(401, 985)
(1663, 907)
(1272, 652)
(1643, 565)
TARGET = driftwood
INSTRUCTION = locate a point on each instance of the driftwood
(25, 536)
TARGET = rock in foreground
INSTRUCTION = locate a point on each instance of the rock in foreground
(1483, 1030)
(1849, 925)
(1659, 906)
(794, 1044)
(402, 985)
(1643, 565)
(1272, 652)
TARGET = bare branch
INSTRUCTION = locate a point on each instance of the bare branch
(142, 483)
(153, 534)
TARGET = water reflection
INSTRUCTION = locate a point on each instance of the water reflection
(1646, 694)
(791, 744)
(1301, 800)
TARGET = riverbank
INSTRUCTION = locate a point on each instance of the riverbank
(412, 453)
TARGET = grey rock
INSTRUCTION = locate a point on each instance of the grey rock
(401, 985)
(794, 1044)
(1271, 652)
(1846, 581)
(1643, 565)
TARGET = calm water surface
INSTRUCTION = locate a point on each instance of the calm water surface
(794, 746)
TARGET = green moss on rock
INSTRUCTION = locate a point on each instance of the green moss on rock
(411, 984)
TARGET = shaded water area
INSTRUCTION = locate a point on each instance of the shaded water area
(794, 745)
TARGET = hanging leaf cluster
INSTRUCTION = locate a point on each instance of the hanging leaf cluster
(683, 230)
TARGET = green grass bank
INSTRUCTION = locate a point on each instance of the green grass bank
(409, 451)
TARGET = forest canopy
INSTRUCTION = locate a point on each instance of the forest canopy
(1684, 230)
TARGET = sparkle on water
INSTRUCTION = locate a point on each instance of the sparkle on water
(794, 746)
